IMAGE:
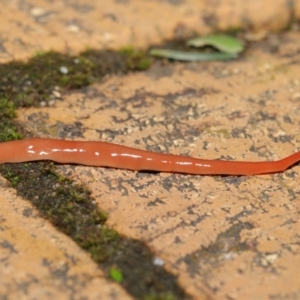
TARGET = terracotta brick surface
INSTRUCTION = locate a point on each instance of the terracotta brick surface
(37, 25)
(224, 237)
(37, 262)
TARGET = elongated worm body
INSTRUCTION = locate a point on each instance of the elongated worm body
(104, 154)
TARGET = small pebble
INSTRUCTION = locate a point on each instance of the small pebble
(296, 96)
(157, 261)
(64, 70)
(56, 94)
(248, 207)
(51, 102)
(73, 28)
(37, 12)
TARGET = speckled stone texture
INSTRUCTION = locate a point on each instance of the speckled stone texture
(224, 237)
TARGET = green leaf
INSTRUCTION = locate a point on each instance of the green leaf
(191, 56)
(223, 43)
(115, 274)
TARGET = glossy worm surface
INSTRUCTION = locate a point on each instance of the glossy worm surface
(104, 154)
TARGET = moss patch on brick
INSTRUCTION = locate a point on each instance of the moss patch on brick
(33, 82)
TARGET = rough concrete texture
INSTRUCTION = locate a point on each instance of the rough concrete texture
(224, 237)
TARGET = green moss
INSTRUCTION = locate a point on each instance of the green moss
(8, 129)
(115, 274)
(7, 109)
(136, 59)
(29, 83)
